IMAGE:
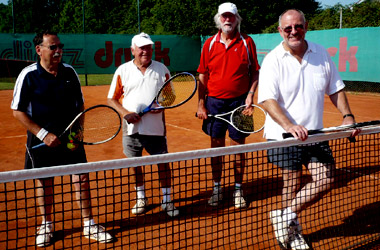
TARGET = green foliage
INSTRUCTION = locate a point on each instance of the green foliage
(164, 17)
(6, 25)
(365, 14)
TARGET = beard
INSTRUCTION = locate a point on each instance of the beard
(228, 27)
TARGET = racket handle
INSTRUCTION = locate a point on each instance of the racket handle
(352, 139)
(313, 132)
(39, 145)
(309, 132)
(286, 135)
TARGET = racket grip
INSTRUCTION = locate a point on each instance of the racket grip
(39, 145)
(286, 135)
(352, 139)
(309, 132)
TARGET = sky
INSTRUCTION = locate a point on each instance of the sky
(323, 2)
(333, 2)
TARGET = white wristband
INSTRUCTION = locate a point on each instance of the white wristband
(42, 134)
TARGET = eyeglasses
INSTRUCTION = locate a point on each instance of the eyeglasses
(54, 47)
(288, 29)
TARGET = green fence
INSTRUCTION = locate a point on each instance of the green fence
(355, 52)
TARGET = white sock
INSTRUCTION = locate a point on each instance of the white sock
(140, 192)
(217, 185)
(166, 194)
(88, 223)
(47, 223)
(288, 215)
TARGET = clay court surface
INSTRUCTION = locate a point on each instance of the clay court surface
(183, 133)
(183, 129)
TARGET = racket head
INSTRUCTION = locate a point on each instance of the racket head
(176, 91)
(95, 125)
(250, 120)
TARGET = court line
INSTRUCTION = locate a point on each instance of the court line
(187, 129)
(12, 137)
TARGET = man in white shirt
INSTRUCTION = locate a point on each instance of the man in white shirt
(294, 78)
(138, 82)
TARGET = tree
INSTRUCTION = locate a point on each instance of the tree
(164, 17)
(360, 15)
(6, 20)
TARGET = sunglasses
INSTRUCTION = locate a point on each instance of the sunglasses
(54, 47)
(288, 29)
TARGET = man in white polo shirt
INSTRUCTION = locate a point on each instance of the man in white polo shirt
(138, 82)
(294, 79)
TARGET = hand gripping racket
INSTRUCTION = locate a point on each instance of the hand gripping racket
(95, 125)
(336, 129)
(176, 91)
(245, 121)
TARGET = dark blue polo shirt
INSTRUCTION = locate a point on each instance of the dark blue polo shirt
(52, 102)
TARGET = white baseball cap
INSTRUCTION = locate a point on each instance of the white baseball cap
(141, 40)
(227, 7)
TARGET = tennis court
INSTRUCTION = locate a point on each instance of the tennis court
(353, 204)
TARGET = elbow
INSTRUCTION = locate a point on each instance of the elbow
(16, 113)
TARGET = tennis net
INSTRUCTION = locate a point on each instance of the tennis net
(347, 217)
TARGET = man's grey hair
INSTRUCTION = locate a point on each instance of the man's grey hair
(283, 13)
(218, 23)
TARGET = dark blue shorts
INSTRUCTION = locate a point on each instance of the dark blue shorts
(48, 156)
(217, 128)
(293, 157)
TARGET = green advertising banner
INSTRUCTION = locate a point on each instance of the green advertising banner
(102, 54)
(355, 52)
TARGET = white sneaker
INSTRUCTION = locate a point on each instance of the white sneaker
(44, 235)
(169, 208)
(239, 199)
(297, 242)
(216, 197)
(280, 228)
(98, 233)
(140, 206)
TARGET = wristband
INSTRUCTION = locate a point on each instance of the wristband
(251, 92)
(42, 134)
(351, 115)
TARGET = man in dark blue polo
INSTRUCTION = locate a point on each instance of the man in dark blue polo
(47, 96)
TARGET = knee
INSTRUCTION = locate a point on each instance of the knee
(327, 182)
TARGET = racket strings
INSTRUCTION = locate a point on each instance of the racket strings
(248, 122)
(179, 90)
(242, 121)
(99, 124)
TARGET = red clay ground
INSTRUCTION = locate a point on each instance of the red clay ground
(183, 129)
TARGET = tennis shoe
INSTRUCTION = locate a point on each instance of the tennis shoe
(280, 228)
(169, 208)
(44, 235)
(140, 206)
(216, 197)
(297, 242)
(98, 233)
(239, 199)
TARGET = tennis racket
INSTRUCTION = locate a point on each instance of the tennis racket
(337, 129)
(95, 125)
(242, 121)
(176, 91)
